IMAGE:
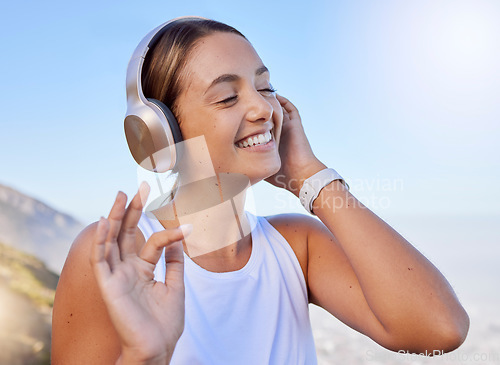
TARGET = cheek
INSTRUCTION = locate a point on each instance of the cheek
(220, 139)
(195, 123)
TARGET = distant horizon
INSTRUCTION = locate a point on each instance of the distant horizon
(294, 207)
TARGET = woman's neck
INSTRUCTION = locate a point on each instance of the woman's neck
(221, 237)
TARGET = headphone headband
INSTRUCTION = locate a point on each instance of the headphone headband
(134, 69)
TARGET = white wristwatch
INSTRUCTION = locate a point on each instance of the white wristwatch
(313, 186)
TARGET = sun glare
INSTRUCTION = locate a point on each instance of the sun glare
(456, 58)
(465, 40)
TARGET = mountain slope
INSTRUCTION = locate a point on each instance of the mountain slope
(27, 291)
(32, 226)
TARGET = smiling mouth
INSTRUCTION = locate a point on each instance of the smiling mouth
(255, 140)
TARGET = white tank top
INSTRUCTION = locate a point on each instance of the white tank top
(256, 315)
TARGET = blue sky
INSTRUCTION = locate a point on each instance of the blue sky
(402, 98)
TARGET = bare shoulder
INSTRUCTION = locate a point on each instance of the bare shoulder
(296, 228)
(81, 328)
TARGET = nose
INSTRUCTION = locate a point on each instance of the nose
(259, 108)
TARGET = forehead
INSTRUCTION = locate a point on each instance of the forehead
(217, 54)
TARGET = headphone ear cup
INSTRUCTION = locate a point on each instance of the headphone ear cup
(153, 136)
(171, 120)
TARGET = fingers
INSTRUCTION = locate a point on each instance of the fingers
(101, 267)
(127, 234)
(151, 252)
(174, 261)
(288, 107)
(174, 264)
(115, 218)
(284, 101)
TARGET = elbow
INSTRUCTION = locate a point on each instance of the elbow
(435, 338)
(447, 336)
(447, 330)
(454, 334)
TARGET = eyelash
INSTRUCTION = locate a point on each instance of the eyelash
(228, 100)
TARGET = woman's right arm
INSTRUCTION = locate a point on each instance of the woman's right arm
(109, 309)
(82, 331)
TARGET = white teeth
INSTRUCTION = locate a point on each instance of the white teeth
(255, 140)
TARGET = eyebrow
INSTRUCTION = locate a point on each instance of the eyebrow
(232, 77)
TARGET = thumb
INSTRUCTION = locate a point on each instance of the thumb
(174, 260)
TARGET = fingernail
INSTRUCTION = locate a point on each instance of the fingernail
(144, 189)
(102, 222)
(120, 193)
(186, 229)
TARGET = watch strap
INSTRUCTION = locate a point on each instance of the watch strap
(313, 185)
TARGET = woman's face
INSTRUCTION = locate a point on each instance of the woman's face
(227, 98)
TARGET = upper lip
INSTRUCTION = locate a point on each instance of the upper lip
(259, 131)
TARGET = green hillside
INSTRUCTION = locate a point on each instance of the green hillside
(27, 291)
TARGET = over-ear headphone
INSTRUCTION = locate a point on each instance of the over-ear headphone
(152, 132)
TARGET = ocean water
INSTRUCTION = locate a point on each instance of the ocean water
(467, 251)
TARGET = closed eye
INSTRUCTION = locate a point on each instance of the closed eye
(269, 90)
(228, 100)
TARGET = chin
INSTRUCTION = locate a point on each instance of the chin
(263, 174)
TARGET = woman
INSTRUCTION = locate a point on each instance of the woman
(245, 300)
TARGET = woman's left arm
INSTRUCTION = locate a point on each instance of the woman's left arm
(396, 296)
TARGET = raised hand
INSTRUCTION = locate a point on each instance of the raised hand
(298, 161)
(147, 315)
